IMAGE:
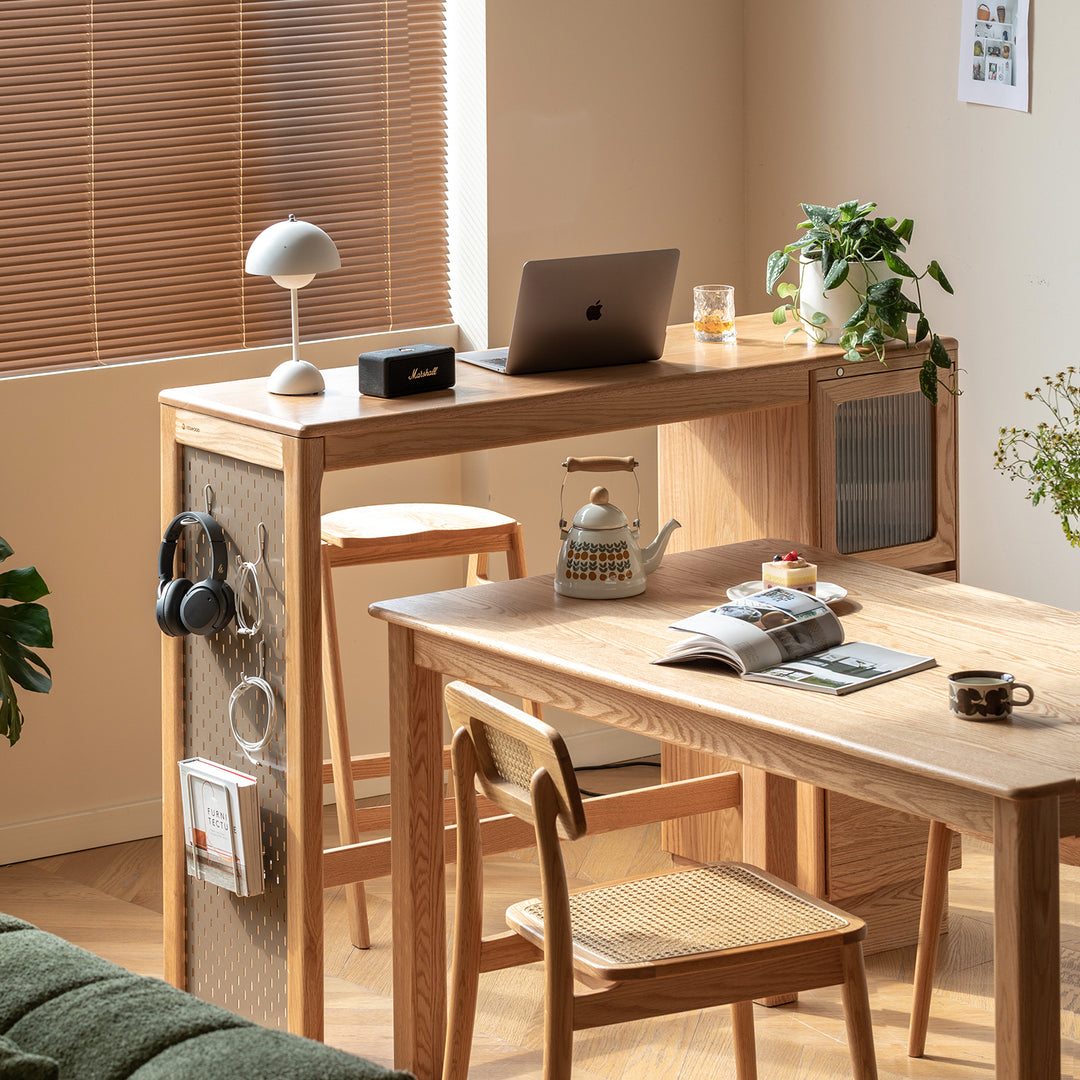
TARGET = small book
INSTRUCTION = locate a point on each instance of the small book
(789, 638)
(222, 834)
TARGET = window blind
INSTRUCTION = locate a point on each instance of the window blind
(145, 143)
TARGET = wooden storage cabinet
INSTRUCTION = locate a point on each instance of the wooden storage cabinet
(866, 467)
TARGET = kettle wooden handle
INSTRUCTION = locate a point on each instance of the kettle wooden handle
(599, 464)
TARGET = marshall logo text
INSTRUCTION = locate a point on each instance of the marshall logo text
(424, 373)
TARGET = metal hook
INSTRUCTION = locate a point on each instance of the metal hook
(208, 495)
(249, 572)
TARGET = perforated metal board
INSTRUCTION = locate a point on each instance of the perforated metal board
(236, 946)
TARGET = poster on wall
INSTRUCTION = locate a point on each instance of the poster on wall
(994, 53)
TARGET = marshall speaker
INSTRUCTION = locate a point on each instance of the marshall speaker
(408, 369)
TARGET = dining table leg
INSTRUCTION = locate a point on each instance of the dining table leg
(1027, 980)
(416, 861)
(770, 827)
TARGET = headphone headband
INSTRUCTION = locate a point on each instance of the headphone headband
(215, 535)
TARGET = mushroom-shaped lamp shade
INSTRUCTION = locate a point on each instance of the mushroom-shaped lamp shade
(292, 252)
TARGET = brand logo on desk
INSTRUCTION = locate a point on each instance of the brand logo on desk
(592, 312)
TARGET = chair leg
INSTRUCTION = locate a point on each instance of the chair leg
(340, 753)
(860, 1031)
(515, 568)
(935, 882)
(742, 1029)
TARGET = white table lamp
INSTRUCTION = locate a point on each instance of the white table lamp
(292, 252)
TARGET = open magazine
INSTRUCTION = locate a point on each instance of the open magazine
(791, 638)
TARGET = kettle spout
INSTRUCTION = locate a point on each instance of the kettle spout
(651, 555)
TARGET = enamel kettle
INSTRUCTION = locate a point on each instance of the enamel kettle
(600, 557)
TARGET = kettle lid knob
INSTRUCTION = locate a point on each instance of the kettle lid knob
(599, 496)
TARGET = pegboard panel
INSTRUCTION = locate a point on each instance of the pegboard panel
(236, 946)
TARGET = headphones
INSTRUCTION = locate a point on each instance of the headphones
(203, 607)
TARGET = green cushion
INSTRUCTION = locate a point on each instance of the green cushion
(36, 967)
(108, 1029)
(16, 1064)
(259, 1053)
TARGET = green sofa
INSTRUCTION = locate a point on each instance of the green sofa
(66, 1014)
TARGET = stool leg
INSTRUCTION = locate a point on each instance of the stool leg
(742, 1030)
(340, 753)
(478, 570)
(515, 568)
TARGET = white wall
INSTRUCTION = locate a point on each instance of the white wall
(991, 192)
(597, 143)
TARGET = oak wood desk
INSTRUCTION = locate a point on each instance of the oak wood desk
(262, 458)
(895, 744)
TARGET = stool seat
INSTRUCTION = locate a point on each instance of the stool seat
(396, 532)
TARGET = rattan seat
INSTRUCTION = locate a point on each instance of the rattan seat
(384, 533)
(688, 939)
(630, 925)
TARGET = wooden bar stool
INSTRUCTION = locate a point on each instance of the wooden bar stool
(392, 532)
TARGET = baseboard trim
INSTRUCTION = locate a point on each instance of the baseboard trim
(76, 832)
(607, 745)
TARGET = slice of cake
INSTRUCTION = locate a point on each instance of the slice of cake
(790, 570)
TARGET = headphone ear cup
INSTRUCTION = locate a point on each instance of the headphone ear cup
(207, 607)
(169, 601)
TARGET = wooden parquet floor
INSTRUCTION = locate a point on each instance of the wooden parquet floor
(109, 901)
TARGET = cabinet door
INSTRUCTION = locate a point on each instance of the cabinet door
(886, 469)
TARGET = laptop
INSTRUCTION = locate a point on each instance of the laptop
(588, 311)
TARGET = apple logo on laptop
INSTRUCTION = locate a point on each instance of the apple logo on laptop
(592, 312)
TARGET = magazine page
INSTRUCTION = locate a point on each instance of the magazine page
(844, 668)
(760, 631)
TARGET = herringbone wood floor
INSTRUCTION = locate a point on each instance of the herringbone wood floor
(109, 901)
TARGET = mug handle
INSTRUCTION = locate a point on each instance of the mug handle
(1023, 686)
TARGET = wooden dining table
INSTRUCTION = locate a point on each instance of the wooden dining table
(895, 744)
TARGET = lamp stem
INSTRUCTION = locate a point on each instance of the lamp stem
(295, 324)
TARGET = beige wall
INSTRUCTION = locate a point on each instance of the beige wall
(596, 144)
(991, 192)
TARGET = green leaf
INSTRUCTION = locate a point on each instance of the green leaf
(775, 265)
(873, 336)
(882, 234)
(28, 623)
(939, 355)
(928, 383)
(11, 719)
(5, 549)
(819, 318)
(865, 209)
(853, 356)
(779, 315)
(858, 315)
(20, 664)
(922, 328)
(836, 275)
(938, 275)
(822, 216)
(848, 340)
(786, 288)
(884, 293)
(897, 265)
(22, 584)
(904, 230)
(798, 245)
(848, 209)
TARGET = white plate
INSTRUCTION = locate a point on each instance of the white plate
(826, 591)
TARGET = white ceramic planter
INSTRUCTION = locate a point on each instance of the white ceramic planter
(839, 304)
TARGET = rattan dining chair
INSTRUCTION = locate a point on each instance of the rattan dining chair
(687, 939)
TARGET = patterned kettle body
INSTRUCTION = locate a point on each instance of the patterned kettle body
(600, 556)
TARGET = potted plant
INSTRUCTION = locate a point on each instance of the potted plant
(851, 280)
(1047, 458)
(23, 624)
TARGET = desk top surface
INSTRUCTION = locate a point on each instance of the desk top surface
(691, 380)
(902, 727)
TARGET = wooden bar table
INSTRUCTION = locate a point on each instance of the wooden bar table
(258, 460)
(895, 744)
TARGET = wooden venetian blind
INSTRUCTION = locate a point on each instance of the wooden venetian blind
(145, 143)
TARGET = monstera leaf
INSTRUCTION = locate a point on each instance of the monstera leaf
(24, 624)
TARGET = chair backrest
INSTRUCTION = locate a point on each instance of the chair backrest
(511, 746)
